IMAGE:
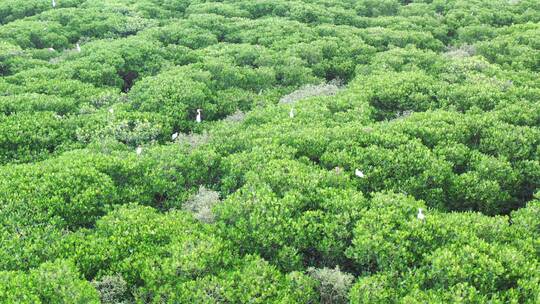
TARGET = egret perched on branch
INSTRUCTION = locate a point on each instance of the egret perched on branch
(51, 49)
(53, 3)
(174, 136)
(139, 150)
(198, 119)
(359, 173)
(420, 215)
(291, 113)
(78, 47)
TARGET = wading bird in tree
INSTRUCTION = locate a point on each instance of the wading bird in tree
(198, 118)
(421, 215)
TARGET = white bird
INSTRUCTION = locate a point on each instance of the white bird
(51, 49)
(291, 113)
(111, 110)
(359, 173)
(78, 47)
(420, 215)
(53, 3)
(174, 136)
(139, 150)
(198, 119)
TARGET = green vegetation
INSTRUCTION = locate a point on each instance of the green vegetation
(326, 126)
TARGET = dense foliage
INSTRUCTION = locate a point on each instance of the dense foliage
(326, 126)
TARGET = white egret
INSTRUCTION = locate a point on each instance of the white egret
(420, 215)
(111, 110)
(51, 49)
(78, 47)
(198, 119)
(139, 150)
(291, 113)
(174, 136)
(359, 173)
(53, 3)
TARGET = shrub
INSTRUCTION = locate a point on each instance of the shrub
(37, 103)
(112, 289)
(252, 279)
(134, 241)
(201, 204)
(175, 95)
(26, 137)
(52, 282)
(378, 288)
(461, 51)
(237, 116)
(334, 284)
(193, 140)
(127, 127)
(397, 92)
(324, 89)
